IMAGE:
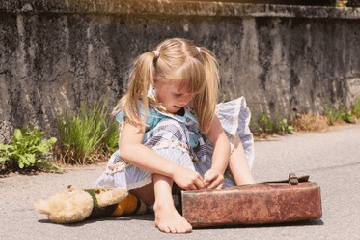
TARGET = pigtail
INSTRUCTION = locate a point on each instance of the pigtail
(205, 103)
(139, 82)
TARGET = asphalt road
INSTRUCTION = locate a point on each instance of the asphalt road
(331, 159)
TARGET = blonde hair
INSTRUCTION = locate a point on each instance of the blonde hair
(173, 60)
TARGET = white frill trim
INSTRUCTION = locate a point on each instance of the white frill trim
(114, 168)
(140, 184)
(171, 144)
(235, 119)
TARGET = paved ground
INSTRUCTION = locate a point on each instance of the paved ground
(332, 159)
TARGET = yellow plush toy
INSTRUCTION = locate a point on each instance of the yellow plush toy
(74, 204)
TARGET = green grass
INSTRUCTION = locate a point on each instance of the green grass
(356, 107)
(87, 136)
(337, 114)
(333, 113)
(266, 125)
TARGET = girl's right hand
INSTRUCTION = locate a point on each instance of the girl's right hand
(188, 179)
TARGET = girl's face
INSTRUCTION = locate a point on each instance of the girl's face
(171, 95)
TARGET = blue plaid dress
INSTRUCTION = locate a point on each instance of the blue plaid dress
(178, 139)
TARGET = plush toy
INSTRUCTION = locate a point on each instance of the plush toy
(74, 204)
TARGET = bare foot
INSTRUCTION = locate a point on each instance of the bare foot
(168, 220)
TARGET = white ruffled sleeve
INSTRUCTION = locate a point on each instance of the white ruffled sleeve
(235, 117)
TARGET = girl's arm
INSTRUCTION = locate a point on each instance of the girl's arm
(133, 151)
(221, 154)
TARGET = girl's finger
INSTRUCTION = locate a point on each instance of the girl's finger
(209, 176)
(216, 183)
(199, 183)
(210, 180)
(220, 186)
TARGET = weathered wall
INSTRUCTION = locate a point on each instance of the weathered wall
(56, 53)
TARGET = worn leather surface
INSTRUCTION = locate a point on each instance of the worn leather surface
(252, 204)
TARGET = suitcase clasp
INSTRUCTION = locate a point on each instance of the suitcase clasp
(293, 180)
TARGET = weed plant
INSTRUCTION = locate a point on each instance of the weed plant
(333, 115)
(356, 107)
(336, 114)
(266, 125)
(87, 137)
(284, 127)
(111, 138)
(27, 150)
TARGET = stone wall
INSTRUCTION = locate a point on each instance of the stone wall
(54, 54)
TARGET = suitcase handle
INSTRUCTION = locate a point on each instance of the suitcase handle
(293, 179)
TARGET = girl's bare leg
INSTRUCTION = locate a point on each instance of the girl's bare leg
(167, 218)
(238, 165)
(145, 193)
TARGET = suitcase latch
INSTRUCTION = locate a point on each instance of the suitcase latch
(293, 180)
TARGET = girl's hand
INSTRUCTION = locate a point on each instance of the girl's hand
(214, 179)
(188, 179)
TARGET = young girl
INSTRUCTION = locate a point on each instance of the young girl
(173, 131)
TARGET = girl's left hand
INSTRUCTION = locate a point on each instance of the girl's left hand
(213, 179)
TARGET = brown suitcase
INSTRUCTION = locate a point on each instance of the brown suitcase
(270, 202)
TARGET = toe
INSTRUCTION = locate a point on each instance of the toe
(180, 229)
(172, 229)
(166, 229)
(186, 225)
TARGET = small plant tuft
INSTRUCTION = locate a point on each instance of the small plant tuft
(27, 150)
(284, 127)
(356, 107)
(334, 114)
(87, 137)
(266, 125)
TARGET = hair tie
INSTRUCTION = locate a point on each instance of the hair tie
(156, 53)
(199, 50)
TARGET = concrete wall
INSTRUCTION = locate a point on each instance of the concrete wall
(54, 54)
